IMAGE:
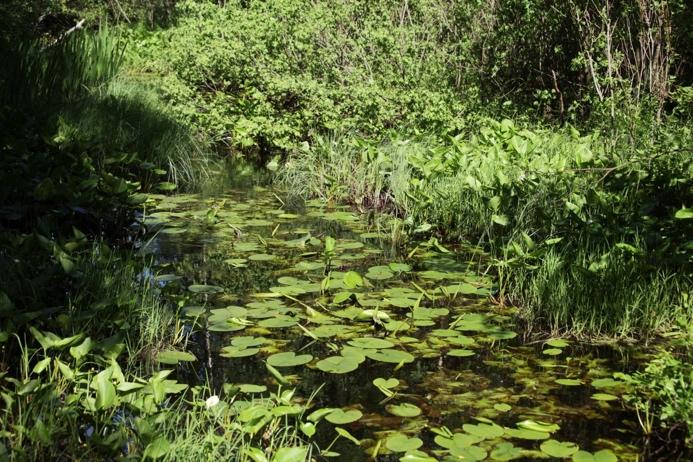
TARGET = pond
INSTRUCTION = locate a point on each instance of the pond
(400, 346)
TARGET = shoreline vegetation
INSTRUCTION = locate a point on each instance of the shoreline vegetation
(556, 140)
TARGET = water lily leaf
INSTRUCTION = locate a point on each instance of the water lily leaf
(552, 351)
(604, 455)
(505, 451)
(606, 383)
(472, 453)
(371, 342)
(288, 359)
(403, 410)
(204, 289)
(352, 280)
(525, 434)
(262, 257)
(331, 330)
(251, 388)
(385, 383)
(538, 426)
(460, 353)
(238, 352)
(399, 442)
(174, 357)
(486, 431)
(463, 288)
(458, 440)
(559, 449)
(502, 407)
(417, 456)
(277, 322)
(379, 273)
(569, 382)
(341, 417)
(399, 267)
(338, 364)
(604, 397)
(341, 297)
(247, 341)
(557, 342)
(390, 356)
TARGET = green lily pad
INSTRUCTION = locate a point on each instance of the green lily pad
(262, 257)
(604, 455)
(552, 351)
(385, 383)
(460, 353)
(352, 280)
(390, 356)
(525, 434)
(371, 343)
(403, 410)
(251, 388)
(605, 383)
(379, 273)
(399, 442)
(338, 364)
(174, 357)
(569, 382)
(238, 352)
(340, 417)
(483, 430)
(502, 407)
(557, 342)
(604, 397)
(288, 359)
(538, 426)
(505, 451)
(559, 449)
(472, 453)
(399, 267)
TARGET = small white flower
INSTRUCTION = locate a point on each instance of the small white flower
(212, 401)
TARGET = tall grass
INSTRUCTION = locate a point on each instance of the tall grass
(580, 231)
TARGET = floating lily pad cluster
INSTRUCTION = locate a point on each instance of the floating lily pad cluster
(322, 295)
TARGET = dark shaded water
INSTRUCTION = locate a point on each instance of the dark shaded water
(244, 266)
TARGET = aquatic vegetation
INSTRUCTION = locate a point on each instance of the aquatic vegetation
(397, 326)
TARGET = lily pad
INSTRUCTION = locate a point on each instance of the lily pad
(399, 442)
(371, 343)
(174, 357)
(525, 434)
(483, 430)
(559, 449)
(288, 359)
(338, 364)
(403, 410)
(604, 455)
(604, 397)
(341, 417)
(461, 353)
(538, 426)
(379, 273)
(390, 356)
(505, 451)
(569, 382)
